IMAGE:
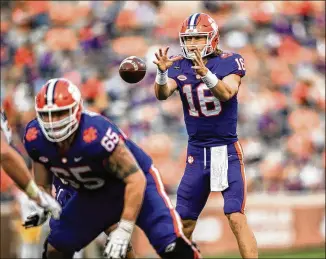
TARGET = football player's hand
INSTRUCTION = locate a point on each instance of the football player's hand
(118, 241)
(36, 218)
(162, 61)
(199, 65)
(49, 204)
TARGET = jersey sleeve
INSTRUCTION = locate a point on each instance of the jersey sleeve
(108, 136)
(31, 140)
(233, 64)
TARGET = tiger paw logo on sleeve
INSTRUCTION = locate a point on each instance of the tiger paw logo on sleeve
(90, 135)
(31, 134)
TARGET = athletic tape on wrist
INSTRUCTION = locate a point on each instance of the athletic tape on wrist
(32, 190)
(161, 77)
(210, 79)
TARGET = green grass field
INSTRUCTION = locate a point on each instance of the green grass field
(302, 253)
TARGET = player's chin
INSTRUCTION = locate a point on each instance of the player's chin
(58, 133)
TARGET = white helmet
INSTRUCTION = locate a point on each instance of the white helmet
(58, 95)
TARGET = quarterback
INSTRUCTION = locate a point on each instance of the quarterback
(208, 81)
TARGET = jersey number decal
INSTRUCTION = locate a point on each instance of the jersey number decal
(65, 176)
(110, 140)
(240, 62)
(203, 101)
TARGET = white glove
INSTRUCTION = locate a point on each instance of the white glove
(37, 217)
(43, 199)
(49, 204)
(118, 240)
(44, 205)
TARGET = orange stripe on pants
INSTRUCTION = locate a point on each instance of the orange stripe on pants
(160, 187)
(175, 216)
(242, 167)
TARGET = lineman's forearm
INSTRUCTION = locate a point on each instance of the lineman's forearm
(134, 194)
(14, 165)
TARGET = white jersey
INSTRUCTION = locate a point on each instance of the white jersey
(5, 126)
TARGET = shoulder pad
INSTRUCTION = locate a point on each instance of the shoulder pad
(231, 63)
(99, 134)
(33, 139)
(225, 55)
(32, 131)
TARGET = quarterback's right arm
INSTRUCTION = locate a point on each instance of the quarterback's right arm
(164, 86)
(162, 92)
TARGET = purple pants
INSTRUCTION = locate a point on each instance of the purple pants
(194, 187)
(86, 214)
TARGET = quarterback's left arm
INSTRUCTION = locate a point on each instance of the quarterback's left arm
(223, 89)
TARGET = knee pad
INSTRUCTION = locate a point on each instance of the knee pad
(180, 249)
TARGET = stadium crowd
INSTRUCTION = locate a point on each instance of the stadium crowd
(281, 121)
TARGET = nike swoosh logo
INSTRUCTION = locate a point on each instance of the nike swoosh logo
(77, 159)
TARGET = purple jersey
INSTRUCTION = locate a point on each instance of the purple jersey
(209, 121)
(92, 200)
(82, 166)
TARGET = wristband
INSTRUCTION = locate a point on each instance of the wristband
(32, 190)
(126, 225)
(161, 77)
(210, 79)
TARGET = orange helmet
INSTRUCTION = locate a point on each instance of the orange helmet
(199, 24)
(58, 95)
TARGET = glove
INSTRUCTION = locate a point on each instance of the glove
(43, 199)
(49, 204)
(37, 217)
(118, 241)
(42, 207)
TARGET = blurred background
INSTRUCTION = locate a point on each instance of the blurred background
(281, 122)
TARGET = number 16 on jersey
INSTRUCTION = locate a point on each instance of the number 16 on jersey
(203, 101)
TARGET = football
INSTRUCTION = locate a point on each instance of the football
(132, 69)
